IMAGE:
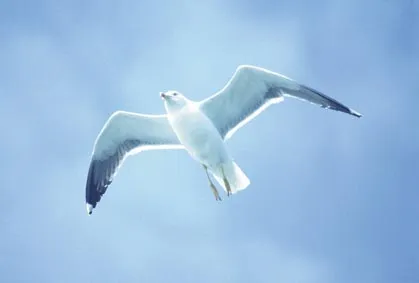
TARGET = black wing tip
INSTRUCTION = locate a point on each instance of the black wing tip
(92, 198)
(93, 194)
(336, 105)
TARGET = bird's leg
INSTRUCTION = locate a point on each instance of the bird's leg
(212, 186)
(226, 183)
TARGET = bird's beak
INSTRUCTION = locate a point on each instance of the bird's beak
(163, 95)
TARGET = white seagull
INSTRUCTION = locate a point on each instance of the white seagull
(199, 127)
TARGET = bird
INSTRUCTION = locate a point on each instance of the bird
(199, 127)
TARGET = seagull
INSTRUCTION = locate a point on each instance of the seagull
(201, 128)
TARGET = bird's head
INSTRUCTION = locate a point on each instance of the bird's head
(173, 100)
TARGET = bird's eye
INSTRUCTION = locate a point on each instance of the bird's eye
(175, 93)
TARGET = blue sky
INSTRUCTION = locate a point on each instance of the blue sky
(332, 199)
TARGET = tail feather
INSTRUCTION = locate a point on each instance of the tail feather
(235, 176)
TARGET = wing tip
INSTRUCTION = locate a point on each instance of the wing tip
(354, 113)
(336, 105)
(94, 189)
(89, 208)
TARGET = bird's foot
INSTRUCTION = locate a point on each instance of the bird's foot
(226, 184)
(212, 186)
(215, 192)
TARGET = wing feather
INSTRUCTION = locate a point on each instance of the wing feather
(251, 90)
(124, 133)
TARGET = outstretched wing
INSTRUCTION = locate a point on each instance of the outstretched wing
(124, 134)
(251, 90)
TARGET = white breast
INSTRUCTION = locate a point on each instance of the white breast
(199, 136)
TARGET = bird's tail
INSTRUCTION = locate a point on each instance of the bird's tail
(235, 176)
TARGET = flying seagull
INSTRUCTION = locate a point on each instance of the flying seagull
(199, 127)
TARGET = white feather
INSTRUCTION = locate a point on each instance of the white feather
(250, 91)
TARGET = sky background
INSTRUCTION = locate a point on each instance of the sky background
(332, 198)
